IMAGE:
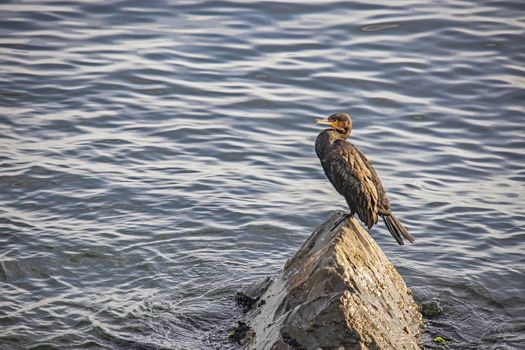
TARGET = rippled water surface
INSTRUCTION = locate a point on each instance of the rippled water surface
(158, 155)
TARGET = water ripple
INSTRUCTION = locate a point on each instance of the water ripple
(157, 157)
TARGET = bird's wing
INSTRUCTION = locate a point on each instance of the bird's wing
(383, 202)
(351, 177)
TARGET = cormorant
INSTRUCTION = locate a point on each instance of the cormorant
(353, 176)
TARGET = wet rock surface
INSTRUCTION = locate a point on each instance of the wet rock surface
(339, 291)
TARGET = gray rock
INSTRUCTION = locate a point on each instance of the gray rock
(338, 292)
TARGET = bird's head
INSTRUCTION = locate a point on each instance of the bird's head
(338, 121)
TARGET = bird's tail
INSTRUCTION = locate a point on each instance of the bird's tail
(397, 230)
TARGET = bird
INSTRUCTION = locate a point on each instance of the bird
(354, 177)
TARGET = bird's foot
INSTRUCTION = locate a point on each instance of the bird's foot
(344, 218)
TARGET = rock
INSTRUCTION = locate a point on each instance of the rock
(240, 334)
(338, 292)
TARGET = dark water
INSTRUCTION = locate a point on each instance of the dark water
(158, 155)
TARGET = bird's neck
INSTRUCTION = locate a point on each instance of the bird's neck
(325, 141)
(337, 135)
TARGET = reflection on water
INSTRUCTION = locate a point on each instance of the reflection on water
(157, 156)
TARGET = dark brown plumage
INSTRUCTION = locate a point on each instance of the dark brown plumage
(353, 176)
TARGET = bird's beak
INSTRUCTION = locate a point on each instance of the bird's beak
(324, 121)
